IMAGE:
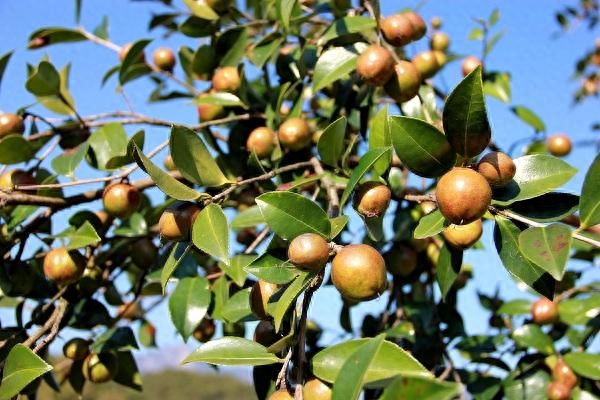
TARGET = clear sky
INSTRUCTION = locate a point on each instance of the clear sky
(541, 67)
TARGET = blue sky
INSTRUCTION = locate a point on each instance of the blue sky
(541, 67)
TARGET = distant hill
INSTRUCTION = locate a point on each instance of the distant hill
(165, 385)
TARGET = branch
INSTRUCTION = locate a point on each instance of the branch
(334, 201)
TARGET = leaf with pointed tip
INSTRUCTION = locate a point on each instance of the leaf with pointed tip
(236, 267)
(232, 350)
(367, 161)
(346, 26)
(548, 207)
(221, 99)
(55, 35)
(448, 267)
(548, 247)
(188, 304)
(331, 142)
(248, 218)
(201, 10)
(280, 302)
(429, 225)
(176, 256)
(584, 364)
(415, 387)
(237, 306)
(66, 163)
(589, 206)
(118, 339)
(336, 63)
(14, 149)
(498, 85)
(285, 8)
(3, 62)
(381, 136)
(132, 66)
(84, 236)
(529, 117)
(128, 374)
(21, 367)
(531, 335)
(210, 232)
(272, 269)
(44, 81)
(108, 142)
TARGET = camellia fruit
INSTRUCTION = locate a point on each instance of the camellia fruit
(375, 65)
(469, 65)
(436, 22)
(558, 391)
(372, 199)
(100, 367)
(63, 266)
(265, 333)
(497, 167)
(544, 311)
(261, 142)
(315, 389)
(15, 177)
(463, 236)
(397, 30)
(210, 112)
(164, 59)
(563, 373)
(76, 349)
(260, 294)
(226, 79)
(125, 49)
(281, 394)
(463, 195)
(11, 123)
(404, 83)
(439, 41)
(309, 251)
(401, 260)
(176, 222)
(427, 64)
(417, 23)
(358, 272)
(169, 164)
(121, 199)
(205, 330)
(559, 145)
(295, 134)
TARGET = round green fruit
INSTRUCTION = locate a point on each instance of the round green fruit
(401, 260)
(358, 272)
(309, 251)
(439, 41)
(404, 83)
(463, 195)
(427, 64)
(100, 367)
(260, 294)
(315, 389)
(76, 349)
(176, 222)
(463, 236)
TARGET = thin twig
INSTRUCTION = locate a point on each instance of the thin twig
(281, 382)
(333, 209)
(61, 308)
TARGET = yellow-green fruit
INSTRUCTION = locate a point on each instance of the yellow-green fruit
(426, 63)
(169, 164)
(404, 83)
(358, 272)
(463, 236)
(295, 134)
(63, 266)
(397, 30)
(176, 222)
(205, 330)
(314, 389)
(226, 79)
(309, 251)
(260, 294)
(463, 195)
(559, 145)
(436, 22)
(469, 65)
(440, 57)
(121, 199)
(372, 199)
(439, 41)
(375, 65)
(76, 349)
(164, 58)
(11, 123)
(497, 167)
(281, 394)
(261, 141)
(100, 367)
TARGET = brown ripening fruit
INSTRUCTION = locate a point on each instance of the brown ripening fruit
(164, 59)
(404, 83)
(427, 64)
(544, 311)
(295, 134)
(309, 251)
(261, 142)
(121, 199)
(463, 195)
(375, 65)
(226, 79)
(63, 266)
(125, 49)
(401, 260)
(100, 367)
(463, 236)
(169, 164)
(315, 389)
(210, 112)
(265, 334)
(11, 123)
(15, 177)
(259, 298)
(559, 145)
(281, 394)
(205, 330)
(417, 23)
(144, 253)
(358, 272)
(558, 391)
(563, 373)
(439, 41)
(497, 167)
(76, 349)
(372, 199)
(469, 65)
(397, 30)
(176, 222)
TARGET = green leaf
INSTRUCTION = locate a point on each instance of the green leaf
(193, 159)
(337, 225)
(122, 160)
(231, 44)
(429, 225)
(201, 10)
(108, 142)
(548, 247)
(221, 99)
(381, 136)
(290, 214)
(44, 81)
(548, 207)
(422, 147)
(128, 374)
(476, 34)
(118, 339)
(515, 307)
(236, 267)
(232, 350)
(367, 161)
(188, 304)
(331, 142)
(536, 174)
(272, 269)
(15, 149)
(176, 256)
(531, 335)
(494, 17)
(420, 388)
(21, 367)
(204, 61)
(66, 163)
(346, 26)
(447, 268)
(492, 42)
(102, 29)
(55, 35)
(210, 232)
(530, 386)
(284, 12)
(589, 206)
(3, 62)
(266, 48)
(84, 236)
(248, 218)
(280, 302)
(389, 361)
(498, 85)
(529, 117)
(465, 118)
(506, 239)
(584, 364)
(237, 307)
(579, 311)
(132, 67)
(165, 182)
(349, 381)
(336, 63)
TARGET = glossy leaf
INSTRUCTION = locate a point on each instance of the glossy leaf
(210, 232)
(44, 81)
(579, 310)
(584, 364)
(465, 118)
(422, 147)
(429, 225)
(248, 218)
(548, 207)
(232, 350)
(336, 63)
(108, 142)
(531, 386)
(232, 45)
(347, 25)
(127, 158)
(589, 207)
(349, 381)
(118, 339)
(220, 98)
(188, 304)
(420, 388)
(290, 214)
(331, 142)
(204, 60)
(55, 35)
(66, 163)
(536, 174)
(164, 181)
(272, 269)
(498, 85)
(4, 59)
(128, 374)
(237, 306)
(548, 247)
(390, 360)
(529, 117)
(338, 224)
(84, 236)
(201, 10)
(266, 48)
(531, 335)
(367, 161)
(15, 149)
(280, 303)
(506, 239)
(284, 12)
(447, 268)
(176, 256)
(193, 159)
(21, 367)
(62, 103)
(381, 136)
(236, 267)
(515, 307)
(132, 67)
